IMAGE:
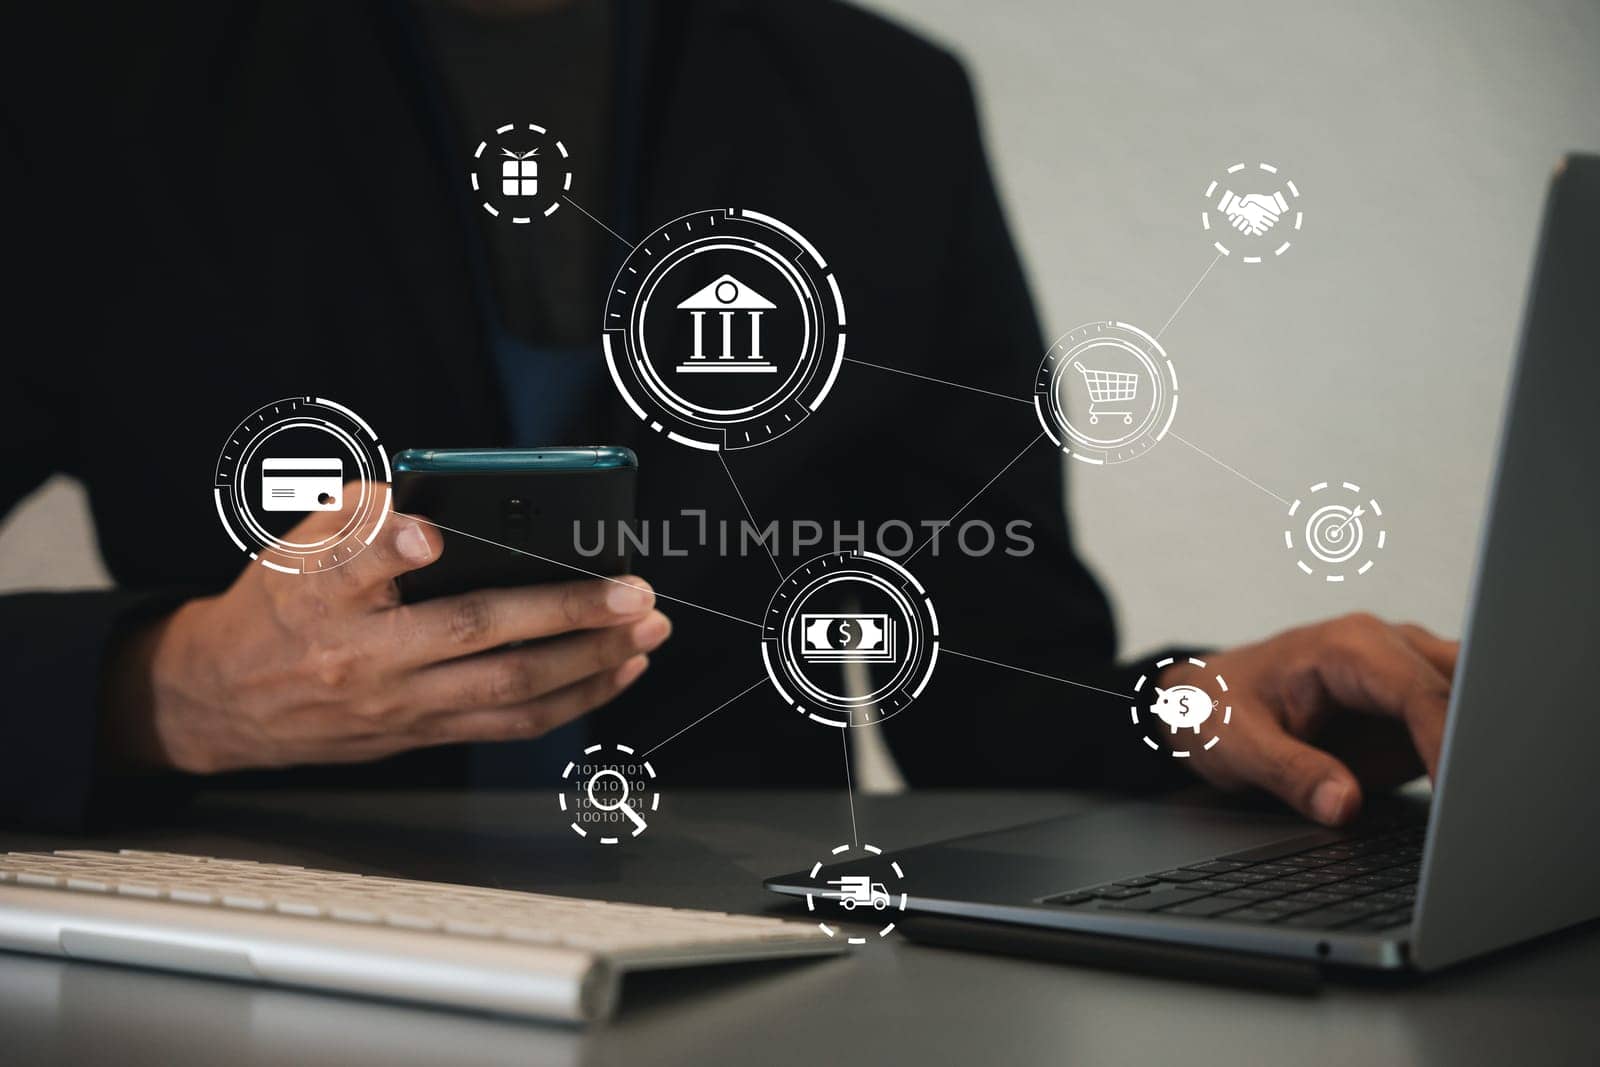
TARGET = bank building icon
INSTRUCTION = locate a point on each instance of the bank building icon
(714, 310)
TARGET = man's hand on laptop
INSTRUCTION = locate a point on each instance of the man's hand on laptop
(1320, 710)
(331, 667)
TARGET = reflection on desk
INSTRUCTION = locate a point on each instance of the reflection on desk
(886, 1003)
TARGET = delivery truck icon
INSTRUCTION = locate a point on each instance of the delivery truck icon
(298, 484)
(857, 890)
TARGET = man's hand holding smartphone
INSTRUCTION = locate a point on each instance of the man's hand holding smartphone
(331, 667)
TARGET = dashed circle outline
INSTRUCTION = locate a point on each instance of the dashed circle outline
(1205, 216)
(1058, 359)
(802, 391)
(1332, 575)
(566, 180)
(355, 436)
(566, 776)
(909, 681)
(1181, 753)
(894, 865)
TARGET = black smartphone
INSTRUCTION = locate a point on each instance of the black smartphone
(512, 516)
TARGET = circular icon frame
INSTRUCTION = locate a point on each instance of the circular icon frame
(1249, 223)
(783, 639)
(887, 900)
(353, 435)
(1332, 532)
(1211, 711)
(800, 389)
(582, 782)
(520, 178)
(1115, 434)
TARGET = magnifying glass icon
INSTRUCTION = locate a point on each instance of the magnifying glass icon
(620, 803)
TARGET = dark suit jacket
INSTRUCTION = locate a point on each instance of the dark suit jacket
(226, 203)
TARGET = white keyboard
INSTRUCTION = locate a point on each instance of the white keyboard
(460, 946)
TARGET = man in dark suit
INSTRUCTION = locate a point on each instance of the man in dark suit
(224, 204)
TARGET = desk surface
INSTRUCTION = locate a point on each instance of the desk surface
(886, 1004)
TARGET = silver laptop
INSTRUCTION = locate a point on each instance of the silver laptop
(1504, 852)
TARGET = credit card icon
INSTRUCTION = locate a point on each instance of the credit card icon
(290, 483)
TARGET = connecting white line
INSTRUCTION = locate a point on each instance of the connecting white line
(1225, 467)
(574, 567)
(951, 520)
(1185, 302)
(597, 222)
(748, 514)
(1036, 674)
(743, 503)
(706, 716)
(940, 381)
(850, 789)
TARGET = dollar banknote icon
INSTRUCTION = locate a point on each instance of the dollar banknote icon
(856, 637)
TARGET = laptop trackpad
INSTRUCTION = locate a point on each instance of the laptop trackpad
(1082, 850)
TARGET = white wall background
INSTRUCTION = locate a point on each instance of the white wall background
(1420, 133)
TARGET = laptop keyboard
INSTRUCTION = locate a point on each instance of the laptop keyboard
(1362, 883)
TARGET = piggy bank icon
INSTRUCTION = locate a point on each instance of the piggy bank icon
(1182, 707)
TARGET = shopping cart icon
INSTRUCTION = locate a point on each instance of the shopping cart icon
(1108, 387)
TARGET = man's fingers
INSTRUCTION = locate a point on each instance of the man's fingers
(403, 543)
(1374, 694)
(535, 717)
(451, 627)
(1306, 778)
(1367, 666)
(519, 675)
(1440, 653)
(318, 525)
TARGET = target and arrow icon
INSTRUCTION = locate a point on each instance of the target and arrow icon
(1334, 533)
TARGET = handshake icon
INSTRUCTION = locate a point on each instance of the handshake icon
(1254, 213)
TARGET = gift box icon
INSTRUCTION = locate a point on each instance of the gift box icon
(519, 174)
